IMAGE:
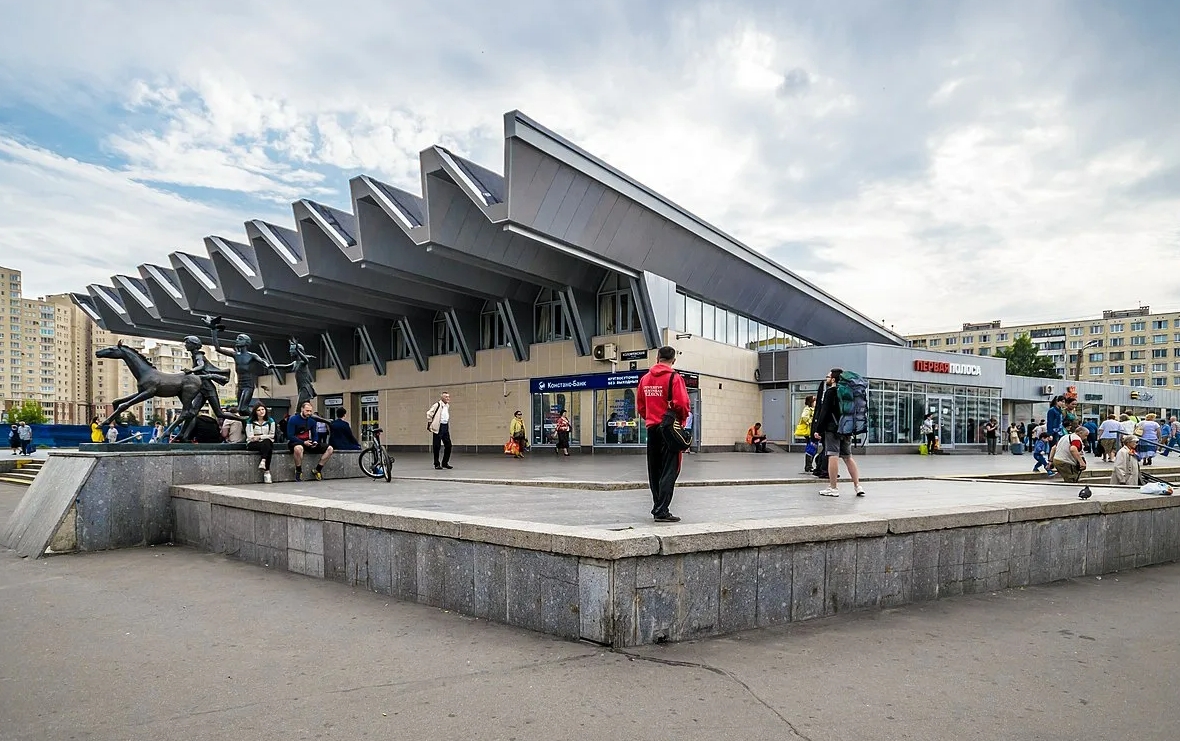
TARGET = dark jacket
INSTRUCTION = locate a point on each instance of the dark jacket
(1054, 421)
(300, 430)
(827, 416)
(340, 436)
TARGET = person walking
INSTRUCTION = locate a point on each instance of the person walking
(1041, 451)
(835, 444)
(438, 421)
(517, 434)
(1055, 419)
(14, 439)
(662, 389)
(990, 428)
(1167, 432)
(1108, 437)
(301, 439)
(260, 437)
(112, 434)
(803, 431)
(25, 433)
(1126, 463)
(562, 429)
(1092, 444)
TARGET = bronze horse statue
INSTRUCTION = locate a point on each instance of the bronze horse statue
(152, 383)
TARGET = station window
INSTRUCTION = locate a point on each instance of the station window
(444, 339)
(401, 345)
(552, 324)
(617, 310)
(492, 331)
(360, 352)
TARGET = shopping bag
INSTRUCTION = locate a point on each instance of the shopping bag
(511, 448)
(923, 449)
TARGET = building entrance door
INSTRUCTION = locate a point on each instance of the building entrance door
(370, 416)
(943, 409)
(694, 405)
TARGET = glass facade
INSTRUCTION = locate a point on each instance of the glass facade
(615, 418)
(897, 408)
(703, 319)
(547, 408)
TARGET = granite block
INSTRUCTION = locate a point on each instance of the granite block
(439, 524)
(275, 558)
(655, 571)
(1043, 560)
(305, 535)
(840, 578)
(1165, 530)
(431, 569)
(947, 518)
(924, 584)
(403, 552)
(335, 567)
(775, 564)
(1033, 512)
(603, 545)
(296, 561)
(186, 469)
(459, 580)
(704, 537)
(1138, 503)
(655, 614)
(93, 506)
(897, 576)
(624, 604)
(270, 530)
(524, 589)
(377, 545)
(739, 590)
(870, 572)
(560, 611)
(356, 555)
(594, 599)
(808, 578)
(126, 500)
(217, 532)
(1095, 545)
(950, 562)
(1144, 536)
(513, 534)
(314, 563)
(926, 546)
(699, 596)
(788, 531)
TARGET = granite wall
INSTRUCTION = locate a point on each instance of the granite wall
(627, 590)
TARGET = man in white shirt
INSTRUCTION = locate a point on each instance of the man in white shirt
(1108, 437)
(438, 421)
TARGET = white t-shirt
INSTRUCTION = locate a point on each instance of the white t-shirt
(1127, 427)
(1061, 452)
(444, 413)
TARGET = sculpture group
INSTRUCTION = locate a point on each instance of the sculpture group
(197, 386)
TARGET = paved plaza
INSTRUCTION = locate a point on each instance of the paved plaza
(164, 642)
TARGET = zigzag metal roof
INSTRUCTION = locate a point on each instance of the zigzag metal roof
(557, 218)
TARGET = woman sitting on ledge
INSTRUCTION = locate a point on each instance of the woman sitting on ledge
(260, 437)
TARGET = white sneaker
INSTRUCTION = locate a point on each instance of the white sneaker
(266, 477)
(261, 465)
(860, 491)
(829, 492)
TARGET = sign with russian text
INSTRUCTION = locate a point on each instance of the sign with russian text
(955, 369)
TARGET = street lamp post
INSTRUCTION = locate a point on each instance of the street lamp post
(1077, 368)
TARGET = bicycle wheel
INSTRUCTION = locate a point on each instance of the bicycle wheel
(370, 463)
(388, 466)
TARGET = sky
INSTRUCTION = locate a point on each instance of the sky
(929, 163)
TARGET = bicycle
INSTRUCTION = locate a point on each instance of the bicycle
(375, 461)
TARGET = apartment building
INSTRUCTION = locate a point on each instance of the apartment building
(1129, 347)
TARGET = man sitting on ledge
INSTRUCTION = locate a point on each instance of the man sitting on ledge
(755, 437)
(301, 438)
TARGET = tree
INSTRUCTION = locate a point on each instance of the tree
(157, 419)
(29, 411)
(1022, 360)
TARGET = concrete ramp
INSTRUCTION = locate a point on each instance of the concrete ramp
(46, 503)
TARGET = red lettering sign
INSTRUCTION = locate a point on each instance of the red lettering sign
(932, 366)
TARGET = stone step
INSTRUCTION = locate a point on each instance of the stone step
(9, 478)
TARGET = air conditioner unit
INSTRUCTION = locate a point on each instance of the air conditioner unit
(1047, 390)
(608, 352)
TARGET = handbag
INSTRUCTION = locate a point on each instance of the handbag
(675, 436)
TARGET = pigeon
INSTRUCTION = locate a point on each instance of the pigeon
(1085, 493)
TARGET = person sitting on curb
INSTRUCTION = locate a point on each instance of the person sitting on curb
(301, 438)
(1068, 458)
(340, 435)
(755, 437)
(1126, 463)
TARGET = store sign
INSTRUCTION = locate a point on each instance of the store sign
(633, 355)
(369, 399)
(955, 369)
(1141, 395)
(585, 382)
(1092, 397)
(333, 401)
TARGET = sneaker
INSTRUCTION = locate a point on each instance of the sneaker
(666, 518)
(261, 465)
(449, 466)
(860, 491)
(266, 477)
(829, 492)
(319, 476)
(1051, 474)
(437, 467)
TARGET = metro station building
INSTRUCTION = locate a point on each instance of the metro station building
(543, 289)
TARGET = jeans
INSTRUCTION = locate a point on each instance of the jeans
(264, 447)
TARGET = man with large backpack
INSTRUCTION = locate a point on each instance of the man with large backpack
(842, 415)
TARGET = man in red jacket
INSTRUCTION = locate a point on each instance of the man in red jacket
(651, 401)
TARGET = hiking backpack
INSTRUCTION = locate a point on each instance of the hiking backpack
(852, 391)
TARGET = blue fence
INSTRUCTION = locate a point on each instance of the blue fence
(71, 436)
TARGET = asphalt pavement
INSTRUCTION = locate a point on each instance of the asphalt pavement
(165, 642)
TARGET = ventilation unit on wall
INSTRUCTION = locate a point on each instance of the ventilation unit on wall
(608, 352)
(1047, 390)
